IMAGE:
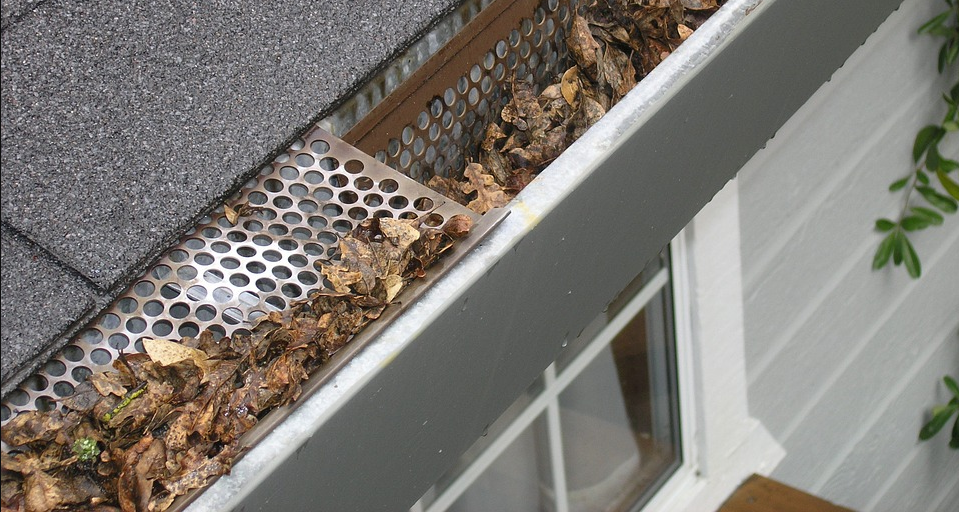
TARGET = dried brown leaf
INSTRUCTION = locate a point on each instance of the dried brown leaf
(614, 33)
(570, 86)
(582, 45)
(284, 375)
(489, 194)
(558, 111)
(400, 232)
(355, 273)
(168, 352)
(198, 469)
(493, 135)
(342, 279)
(41, 492)
(520, 179)
(143, 463)
(448, 187)
(140, 408)
(392, 286)
(523, 110)
(458, 226)
(496, 164)
(427, 250)
(84, 398)
(617, 70)
(517, 139)
(33, 426)
(535, 155)
(233, 214)
(589, 112)
(110, 383)
(550, 93)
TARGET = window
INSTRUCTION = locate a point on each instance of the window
(598, 430)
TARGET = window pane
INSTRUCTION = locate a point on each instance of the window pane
(519, 479)
(492, 434)
(612, 309)
(617, 417)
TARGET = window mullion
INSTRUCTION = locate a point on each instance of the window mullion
(490, 454)
(555, 434)
(607, 334)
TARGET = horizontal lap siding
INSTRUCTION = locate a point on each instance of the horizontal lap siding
(842, 361)
(886, 453)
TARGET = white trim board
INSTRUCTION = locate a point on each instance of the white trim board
(723, 445)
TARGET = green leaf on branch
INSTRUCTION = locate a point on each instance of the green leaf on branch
(944, 203)
(922, 176)
(884, 252)
(927, 136)
(914, 223)
(928, 26)
(885, 225)
(951, 385)
(909, 257)
(897, 245)
(947, 165)
(952, 51)
(947, 55)
(898, 184)
(940, 416)
(951, 186)
(931, 216)
(932, 158)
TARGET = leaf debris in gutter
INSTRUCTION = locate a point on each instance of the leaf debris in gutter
(168, 420)
(614, 44)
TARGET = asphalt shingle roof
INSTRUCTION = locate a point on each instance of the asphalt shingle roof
(33, 312)
(123, 122)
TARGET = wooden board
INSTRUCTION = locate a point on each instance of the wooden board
(760, 494)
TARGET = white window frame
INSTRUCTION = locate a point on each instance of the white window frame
(722, 444)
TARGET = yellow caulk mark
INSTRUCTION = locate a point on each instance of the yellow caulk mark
(531, 218)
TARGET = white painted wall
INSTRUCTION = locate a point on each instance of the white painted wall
(843, 362)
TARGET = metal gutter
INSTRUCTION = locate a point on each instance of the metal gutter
(421, 394)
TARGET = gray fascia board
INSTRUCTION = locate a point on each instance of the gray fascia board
(410, 420)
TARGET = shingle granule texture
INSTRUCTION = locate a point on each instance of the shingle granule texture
(122, 120)
(37, 302)
(125, 121)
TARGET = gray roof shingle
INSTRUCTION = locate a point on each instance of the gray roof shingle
(123, 122)
(39, 300)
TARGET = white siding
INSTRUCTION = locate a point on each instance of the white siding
(844, 362)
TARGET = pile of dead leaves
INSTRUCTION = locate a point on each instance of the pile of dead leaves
(614, 44)
(169, 420)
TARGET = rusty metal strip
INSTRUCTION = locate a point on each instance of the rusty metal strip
(432, 123)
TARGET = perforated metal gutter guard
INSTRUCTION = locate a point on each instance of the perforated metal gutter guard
(384, 427)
